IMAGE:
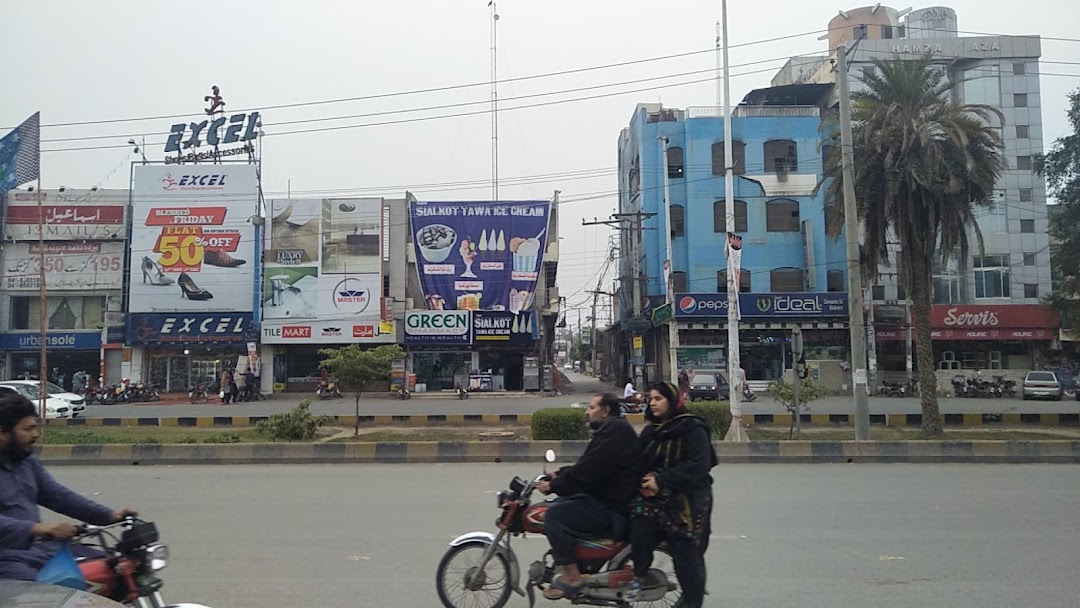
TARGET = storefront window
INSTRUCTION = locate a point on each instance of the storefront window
(441, 370)
(506, 370)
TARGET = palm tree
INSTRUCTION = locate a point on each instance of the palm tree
(923, 165)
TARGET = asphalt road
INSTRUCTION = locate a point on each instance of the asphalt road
(814, 536)
(584, 388)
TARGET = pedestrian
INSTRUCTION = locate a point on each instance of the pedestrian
(233, 388)
(226, 392)
(250, 387)
(675, 501)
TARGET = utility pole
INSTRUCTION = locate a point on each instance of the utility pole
(797, 367)
(857, 333)
(673, 326)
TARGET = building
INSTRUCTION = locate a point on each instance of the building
(792, 274)
(481, 299)
(987, 313)
(79, 239)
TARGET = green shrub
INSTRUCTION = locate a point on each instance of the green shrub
(716, 413)
(298, 424)
(222, 438)
(559, 423)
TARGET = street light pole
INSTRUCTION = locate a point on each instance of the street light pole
(857, 333)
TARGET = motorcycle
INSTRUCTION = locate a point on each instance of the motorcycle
(489, 568)
(199, 394)
(328, 390)
(747, 394)
(462, 393)
(129, 571)
(403, 393)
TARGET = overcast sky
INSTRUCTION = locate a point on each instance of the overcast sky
(84, 61)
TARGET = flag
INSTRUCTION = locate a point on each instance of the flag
(20, 155)
(733, 249)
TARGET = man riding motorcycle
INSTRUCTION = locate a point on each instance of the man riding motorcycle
(26, 544)
(594, 493)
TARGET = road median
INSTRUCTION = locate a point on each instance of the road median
(816, 452)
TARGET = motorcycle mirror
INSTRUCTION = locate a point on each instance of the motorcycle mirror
(549, 456)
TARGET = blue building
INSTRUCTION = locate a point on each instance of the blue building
(793, 274)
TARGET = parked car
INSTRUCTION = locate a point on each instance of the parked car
(708, 386)
(1042, 385)
(54, 408)
(76, 402)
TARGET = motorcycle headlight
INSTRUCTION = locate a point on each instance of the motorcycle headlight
(157, 557)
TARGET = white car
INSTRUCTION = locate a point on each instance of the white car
(54, 407)
(76, 402)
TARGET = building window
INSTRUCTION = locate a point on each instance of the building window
(744, 281)
(901, 293)
(738, 151)
(833, 214)
(991, 276)
(868, 72)
(834, 280)
(858, 32)
(782, 215)
(1025, 195)
(886, 32)
(61, 312)
(786, 280)
(678, 221)
(1019, 100)
(674, 162)
(1019, 69)
(830, 161)
(1031, 290)
(20, 313)
(386, 286)
(946, 289)
(781, 156)
(1029, 259)
(678, 281)
(877, 293)
(720, 216)
(1023, 163)
(1023, 131)
(1027, 226)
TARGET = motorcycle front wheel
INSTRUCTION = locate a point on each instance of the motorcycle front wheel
(664, 562)
(490, 590)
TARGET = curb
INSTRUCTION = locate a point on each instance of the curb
(787, 452)
(980, 419)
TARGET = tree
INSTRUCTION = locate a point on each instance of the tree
(783, 392)
(1061, 166)
(355, 369)
(923, 166)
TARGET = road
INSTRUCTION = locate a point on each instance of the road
(584, 388)
(814, 536)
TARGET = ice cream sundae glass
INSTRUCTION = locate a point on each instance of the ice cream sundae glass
(468, 254)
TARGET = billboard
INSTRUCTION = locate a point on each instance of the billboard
(69, 265)
(72, 215)
(764, 305)
(192, 244)
(323, 279)
(479, 255)
(438, 327)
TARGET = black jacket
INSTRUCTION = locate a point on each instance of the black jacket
(607, 470)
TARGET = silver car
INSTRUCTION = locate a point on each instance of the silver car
(1042, 385)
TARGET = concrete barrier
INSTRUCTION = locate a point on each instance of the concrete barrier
(532, 452)
(1012, 419)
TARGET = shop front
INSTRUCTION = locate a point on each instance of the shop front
(439, 344)
(177, 351)
(67, 352)
(764, 333)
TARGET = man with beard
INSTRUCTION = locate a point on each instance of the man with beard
(26, 544)
(594, 494)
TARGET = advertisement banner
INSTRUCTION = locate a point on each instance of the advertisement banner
(323, 279)
(764, 305)
(192, 244)
(502, 327)
(993, 316)
(479, 255)
(54, 340)
(180, 328)
(438, 327)
(71, 215)
(69, 265)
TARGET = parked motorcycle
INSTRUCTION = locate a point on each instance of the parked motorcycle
(747, 394)
(129, 572)
(328, 390)
(462, 393)
(199, 394)
(403, 393)
(483, 565)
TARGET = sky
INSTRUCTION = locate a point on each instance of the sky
(105, 60)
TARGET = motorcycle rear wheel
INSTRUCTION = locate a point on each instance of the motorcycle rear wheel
(665, 562)
(450, 582)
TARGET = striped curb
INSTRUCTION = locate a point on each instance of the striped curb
(1012, 419)
(817, 452)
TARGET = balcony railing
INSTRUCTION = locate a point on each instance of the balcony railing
(754, 112)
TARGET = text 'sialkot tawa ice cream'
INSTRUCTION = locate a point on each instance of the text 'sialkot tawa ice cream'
(479, 255)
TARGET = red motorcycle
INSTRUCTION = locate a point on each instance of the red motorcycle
(480, 568)
(128, 573)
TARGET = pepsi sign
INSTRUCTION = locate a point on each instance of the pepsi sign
(764, 305)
